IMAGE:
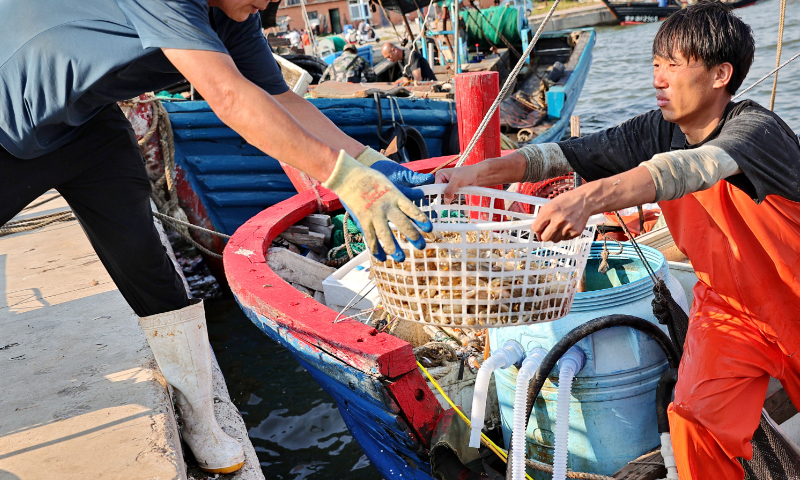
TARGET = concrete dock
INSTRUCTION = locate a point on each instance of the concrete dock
(591, 15)
(82, 395)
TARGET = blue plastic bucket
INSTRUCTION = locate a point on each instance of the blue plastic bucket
(612, 415)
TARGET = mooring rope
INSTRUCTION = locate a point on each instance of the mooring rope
(34, 205)
(167, 218)
(34, 223)
(787, 62)
(778, 54)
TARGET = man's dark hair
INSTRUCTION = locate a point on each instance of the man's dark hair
(350, 48)
(708, 32)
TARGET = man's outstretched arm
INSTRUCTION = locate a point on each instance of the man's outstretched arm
(254, 114)
(667, 176)
(313, 120)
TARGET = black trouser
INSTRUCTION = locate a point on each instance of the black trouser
(101, 174)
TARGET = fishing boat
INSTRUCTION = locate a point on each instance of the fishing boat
(223, 181)
(634, 13)
(393, 409)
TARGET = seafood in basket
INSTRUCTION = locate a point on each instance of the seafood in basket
(482, 266)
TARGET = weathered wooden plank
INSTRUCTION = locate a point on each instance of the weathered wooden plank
(649, 466)
(302, 229)
(316, 219)
(417, 403)
(310, 239)
(295, 268)
(779, 406)
(325, 230)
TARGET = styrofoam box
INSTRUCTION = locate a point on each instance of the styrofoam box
(342, 286)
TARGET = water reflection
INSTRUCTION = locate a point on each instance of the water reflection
(316, 428)
(294, 425)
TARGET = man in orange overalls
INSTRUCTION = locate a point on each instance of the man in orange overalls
(727, 177)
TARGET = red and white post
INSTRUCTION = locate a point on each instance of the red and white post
(475, 93)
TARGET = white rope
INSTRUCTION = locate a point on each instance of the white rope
(767, 76)
(510, 81)
(423, 28)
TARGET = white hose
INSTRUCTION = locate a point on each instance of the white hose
(669, 457)
(511, 353)
(526, 372)
(570, 364)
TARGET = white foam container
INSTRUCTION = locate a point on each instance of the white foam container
(351, 280)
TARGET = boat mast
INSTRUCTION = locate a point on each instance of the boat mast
(308, 28)
(456, 57)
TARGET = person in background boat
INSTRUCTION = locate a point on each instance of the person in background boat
(63, 67)
(414, 67)
(294, 38)
(727, 177)
(349, 67)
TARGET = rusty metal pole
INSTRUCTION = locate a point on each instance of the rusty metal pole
(475, 93)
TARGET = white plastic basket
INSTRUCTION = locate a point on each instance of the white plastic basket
(507, 278)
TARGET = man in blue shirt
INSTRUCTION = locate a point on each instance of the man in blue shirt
(63, 67)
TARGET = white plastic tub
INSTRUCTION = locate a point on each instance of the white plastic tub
(297, 78)
(351, 281)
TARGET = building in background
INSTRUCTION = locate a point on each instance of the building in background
(330, 16)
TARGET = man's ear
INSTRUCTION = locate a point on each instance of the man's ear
(722, 75)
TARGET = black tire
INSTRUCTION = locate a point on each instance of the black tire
(416, 148)
(450, 144)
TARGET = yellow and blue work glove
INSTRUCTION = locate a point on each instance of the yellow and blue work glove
(396, 173)
(373, 201)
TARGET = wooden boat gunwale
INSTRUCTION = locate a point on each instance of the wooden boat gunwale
(380, 355)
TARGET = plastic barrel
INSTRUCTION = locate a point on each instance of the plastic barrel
(612, 415)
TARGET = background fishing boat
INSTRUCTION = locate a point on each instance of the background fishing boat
(633, 13)
(223, 181)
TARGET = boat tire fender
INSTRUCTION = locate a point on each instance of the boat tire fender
(450, 145)
(416, 148)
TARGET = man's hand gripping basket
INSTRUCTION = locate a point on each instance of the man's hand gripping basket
(482, 266)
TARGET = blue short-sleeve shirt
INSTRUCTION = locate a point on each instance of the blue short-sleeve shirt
(62, 62)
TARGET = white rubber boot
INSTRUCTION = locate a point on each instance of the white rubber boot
(180, 344)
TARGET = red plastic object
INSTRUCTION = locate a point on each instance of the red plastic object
(550, 188)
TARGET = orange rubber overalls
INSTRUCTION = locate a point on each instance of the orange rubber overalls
(744, 324)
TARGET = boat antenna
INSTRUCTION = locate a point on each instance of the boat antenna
(510, 81)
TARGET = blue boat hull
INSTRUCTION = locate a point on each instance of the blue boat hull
(364, 403)
(235, 180)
